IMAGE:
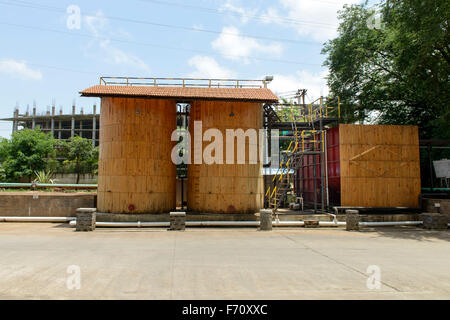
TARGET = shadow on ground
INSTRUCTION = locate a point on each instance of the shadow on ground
(411, 233)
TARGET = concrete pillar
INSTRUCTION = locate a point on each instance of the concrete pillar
(265, 217)
(72, 127)
(59, 131)
(311, 223)
(178, 221)
(33, 122)
(352, 220)
(16, 120)
(86, 219)
(53, 121)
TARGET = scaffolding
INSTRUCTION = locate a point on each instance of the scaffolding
(304, 127)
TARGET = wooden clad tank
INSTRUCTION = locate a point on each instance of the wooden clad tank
(136, 173)
(225, 188)
(371, 166)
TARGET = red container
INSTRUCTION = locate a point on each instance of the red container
(305, 182)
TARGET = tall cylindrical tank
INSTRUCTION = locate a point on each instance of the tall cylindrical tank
(225, 188)
(136, 173)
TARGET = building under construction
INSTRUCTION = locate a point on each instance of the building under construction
(61, 126)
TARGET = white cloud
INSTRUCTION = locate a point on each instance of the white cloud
(19, 69)
(117, 56)
(315, 83)
(98, 26)
(233, 7)
(207, 67)
(236, 47)
(308, 17)
(197, 26)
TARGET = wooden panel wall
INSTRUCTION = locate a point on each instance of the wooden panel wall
(135, 166)
(380, 165)
(225, 188)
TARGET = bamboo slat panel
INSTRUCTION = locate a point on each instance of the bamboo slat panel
(225, 188)
(380, 165)
(135, 166)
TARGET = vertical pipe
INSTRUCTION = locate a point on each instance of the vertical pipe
(182, 192)
(314, 177)
(430, 164)
(326, 170)
(322, 159)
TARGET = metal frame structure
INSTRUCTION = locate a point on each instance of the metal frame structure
(305, 126)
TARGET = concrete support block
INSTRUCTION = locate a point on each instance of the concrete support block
(434, 221)
(311, 223)
(86, 218)
(352, 219)
(265, 216)
(177, 221)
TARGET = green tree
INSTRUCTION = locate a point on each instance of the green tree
(81, 154)
(395, 72)
(26, 152)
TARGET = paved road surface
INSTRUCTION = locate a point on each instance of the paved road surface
(222, 263)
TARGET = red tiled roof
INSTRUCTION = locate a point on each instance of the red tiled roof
(247, 94)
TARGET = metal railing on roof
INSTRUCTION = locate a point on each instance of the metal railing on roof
(184, 82)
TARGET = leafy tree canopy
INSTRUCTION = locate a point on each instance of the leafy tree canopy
(396, 71)
(26, 152)
(80, 153)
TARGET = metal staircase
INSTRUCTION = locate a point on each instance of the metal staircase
(304, 127)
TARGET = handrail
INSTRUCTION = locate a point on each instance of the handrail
(184, 82)
(46, 185)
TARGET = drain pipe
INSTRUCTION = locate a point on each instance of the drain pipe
(279, 223)
(390, 223)
(140, 224)
(247, 224)
(37, 219)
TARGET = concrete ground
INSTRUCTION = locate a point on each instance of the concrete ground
(35, 260)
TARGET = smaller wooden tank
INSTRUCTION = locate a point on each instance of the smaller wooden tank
(371, 166)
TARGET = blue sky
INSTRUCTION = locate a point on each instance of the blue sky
(43, 59)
